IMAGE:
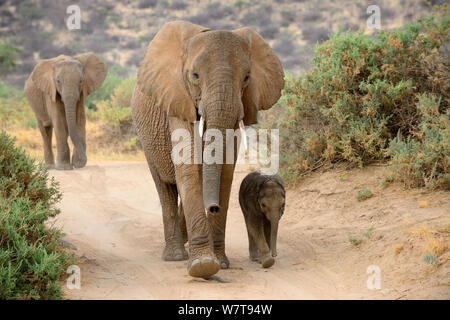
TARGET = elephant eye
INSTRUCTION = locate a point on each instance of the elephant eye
(195, 75)
(246, 78)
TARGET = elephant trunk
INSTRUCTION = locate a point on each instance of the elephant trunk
(211, 187)
(220, 113)
(70, 105)
(273, 236)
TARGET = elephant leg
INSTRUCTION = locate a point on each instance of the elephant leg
(252, 248)
(168, 195)
(61, 134)
(46, 132)
(81, 128)
(182, 221)
(38, 104)
(256, 231)
(218, 221)
(202, 261)
(267, 229)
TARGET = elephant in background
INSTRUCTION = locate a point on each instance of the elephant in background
(221, 78)
(56, 91)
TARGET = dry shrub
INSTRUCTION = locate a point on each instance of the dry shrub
(433, 241)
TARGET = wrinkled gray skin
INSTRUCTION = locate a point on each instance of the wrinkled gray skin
(262, 200)
(55, 93)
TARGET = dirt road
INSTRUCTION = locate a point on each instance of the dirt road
(111, 213)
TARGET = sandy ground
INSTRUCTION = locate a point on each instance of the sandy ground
(111, 213)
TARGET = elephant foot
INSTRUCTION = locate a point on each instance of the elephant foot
(267, 261)
(223, 260)
(174, 254)
(203, 267)
(202, 262)
(78, 161)
(78, 166)
(50, 166)
(63, 166)
(254, 257)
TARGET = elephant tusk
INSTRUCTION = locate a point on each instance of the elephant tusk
(243, 134)
(200, 127)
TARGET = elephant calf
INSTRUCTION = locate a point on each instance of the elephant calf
(56, 90)
(262, 199)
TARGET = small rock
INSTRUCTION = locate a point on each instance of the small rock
(67, 244)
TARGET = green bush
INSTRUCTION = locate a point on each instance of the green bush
(31, 258)
(423, 159)
(29, 11)
(429, 258)
(9, 92)
(364, 194)
(8, 57)
(114, 116)
(105, 92)
(121, 98)
(31, 123)
(116, 111)
(363, 91)
(14, 108)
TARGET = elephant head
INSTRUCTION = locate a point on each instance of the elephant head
(221, 77)
(70, 80)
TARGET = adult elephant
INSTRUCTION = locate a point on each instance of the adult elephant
(56, 90)
(190, 73)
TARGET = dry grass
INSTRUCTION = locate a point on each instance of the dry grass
(98, 146)
(431, 240)
(398, 248)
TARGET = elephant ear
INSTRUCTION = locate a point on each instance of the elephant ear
(266, 76)
(160, 72)
(43, 76)
(94, 72)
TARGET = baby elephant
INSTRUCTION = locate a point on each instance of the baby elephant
(262, 199)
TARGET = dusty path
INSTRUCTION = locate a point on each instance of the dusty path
(111, 213)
